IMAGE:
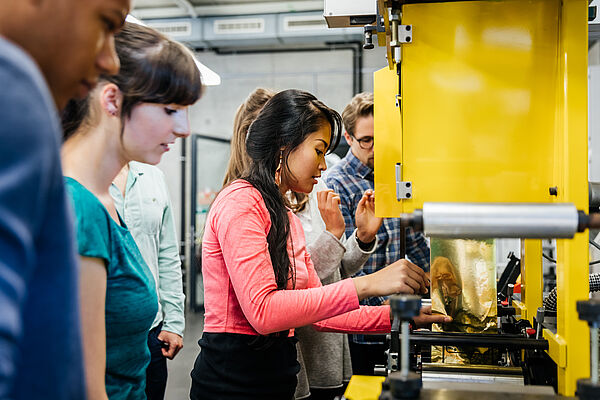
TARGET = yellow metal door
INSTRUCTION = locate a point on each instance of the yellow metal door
(494, 109)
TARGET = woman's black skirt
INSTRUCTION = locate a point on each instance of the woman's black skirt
(233, 366)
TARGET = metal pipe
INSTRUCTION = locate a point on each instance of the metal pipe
(473, 378)
(594, 353)
(394, 39)
(185, 264)
(192, 254)
(504, 341)
(500, 220)
(404, 365)
(472, 369)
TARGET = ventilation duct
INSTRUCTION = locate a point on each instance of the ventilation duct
(186, 30)
(240, 31)
(312, 28)
(255, 30)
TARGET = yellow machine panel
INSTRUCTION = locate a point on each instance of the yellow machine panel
(388, 142)
(478, 103)
(493, 108)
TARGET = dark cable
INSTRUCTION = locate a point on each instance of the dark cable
(554, 261)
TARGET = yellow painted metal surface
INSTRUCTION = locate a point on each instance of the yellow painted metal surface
(557, 349)
(570, 176)
(363, 387)
(478, 90)
(520, 308)
(494, 108)
(388, 142)
(532, 275)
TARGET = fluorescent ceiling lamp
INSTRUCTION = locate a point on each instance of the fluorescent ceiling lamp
(131, 18)
(209, 77)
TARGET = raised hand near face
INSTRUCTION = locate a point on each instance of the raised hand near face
(329, 207)
(367, 224)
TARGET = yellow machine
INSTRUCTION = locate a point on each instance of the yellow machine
(486, 102)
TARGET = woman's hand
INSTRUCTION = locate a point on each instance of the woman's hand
(329, 207)
(399, 277)
(426, 318)
(367, 224)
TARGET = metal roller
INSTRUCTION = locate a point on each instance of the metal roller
(433, 372)
(500, 220)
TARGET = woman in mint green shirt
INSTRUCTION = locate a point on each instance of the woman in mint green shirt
(132, 116)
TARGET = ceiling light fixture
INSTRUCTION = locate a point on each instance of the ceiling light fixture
(209, 77)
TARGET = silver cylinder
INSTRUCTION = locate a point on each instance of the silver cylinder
(594, 354)
(429, 376)
(405, 348)
(499, 220)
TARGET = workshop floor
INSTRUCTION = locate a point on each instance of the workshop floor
(178, 384)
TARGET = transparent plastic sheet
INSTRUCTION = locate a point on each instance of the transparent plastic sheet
(463, 286)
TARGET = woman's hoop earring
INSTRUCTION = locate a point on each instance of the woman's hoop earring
(278, 171)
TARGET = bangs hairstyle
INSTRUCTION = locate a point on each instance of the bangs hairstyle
(284, 123)
(154, 69)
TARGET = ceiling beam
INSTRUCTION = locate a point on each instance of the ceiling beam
(245, 8)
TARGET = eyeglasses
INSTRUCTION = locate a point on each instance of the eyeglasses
(365, 143)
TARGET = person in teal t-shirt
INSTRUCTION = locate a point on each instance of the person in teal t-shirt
(131, 302)
(132, 116)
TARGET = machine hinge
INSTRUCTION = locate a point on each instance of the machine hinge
(405, 33)
(403, 188)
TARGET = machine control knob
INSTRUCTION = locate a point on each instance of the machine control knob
(529, 332)
(589, 310)
(402, 386)
(539, 315)
(405, 306)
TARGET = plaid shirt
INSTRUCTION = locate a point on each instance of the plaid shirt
(350, 178)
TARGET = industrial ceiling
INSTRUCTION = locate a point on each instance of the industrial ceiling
(148, 9)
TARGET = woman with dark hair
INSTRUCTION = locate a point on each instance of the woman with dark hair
(134, 115)
(324, 357)
(259, 281)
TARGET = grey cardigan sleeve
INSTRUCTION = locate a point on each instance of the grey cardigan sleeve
(354, 257)
(326, 253)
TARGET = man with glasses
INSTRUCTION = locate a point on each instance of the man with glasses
(351, 177)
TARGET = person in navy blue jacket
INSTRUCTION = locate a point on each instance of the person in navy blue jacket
(50, 51)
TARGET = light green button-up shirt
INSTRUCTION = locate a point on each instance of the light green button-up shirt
(146, 209)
